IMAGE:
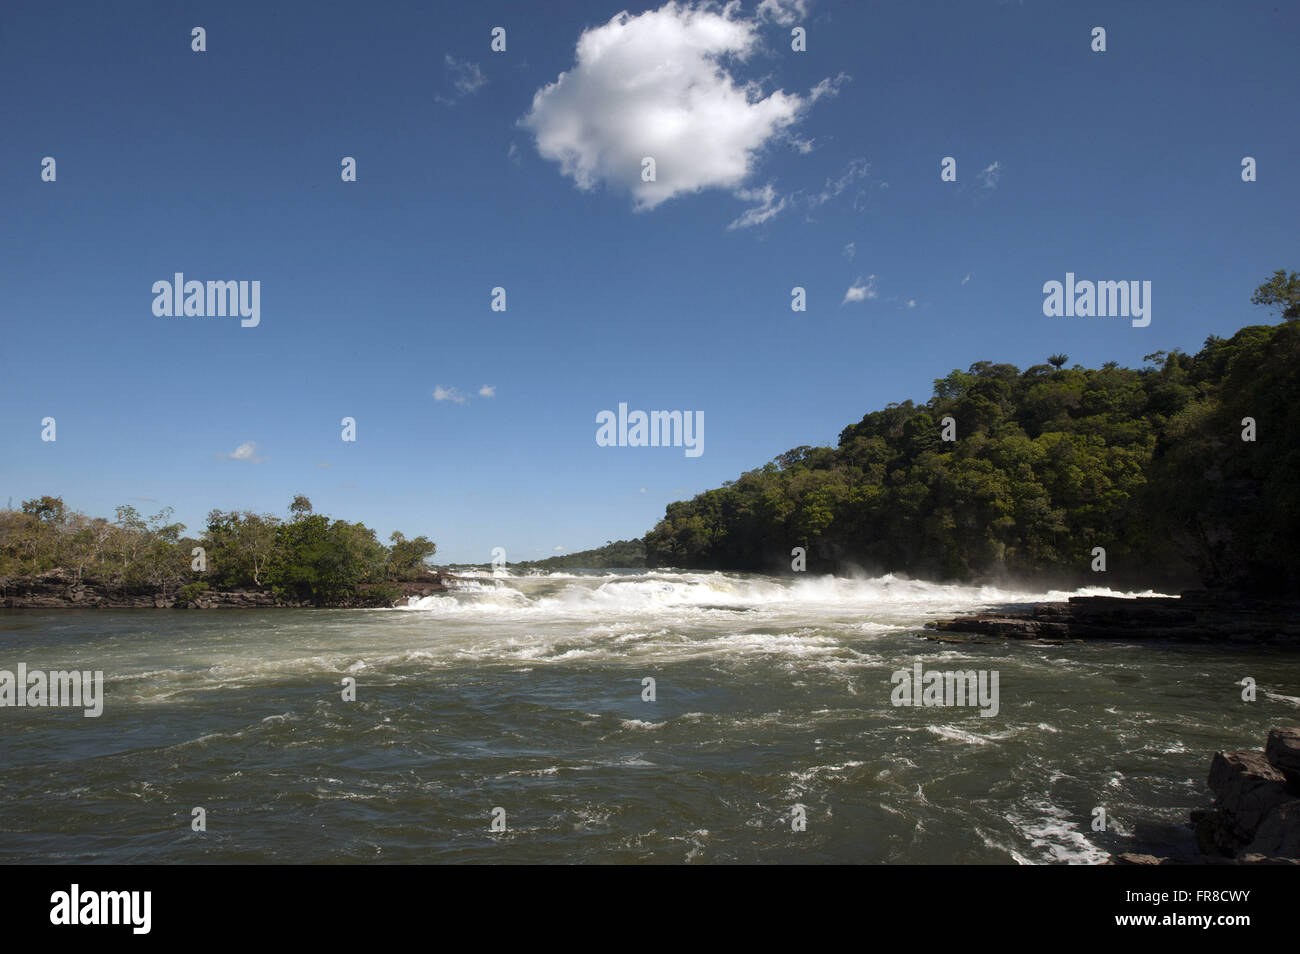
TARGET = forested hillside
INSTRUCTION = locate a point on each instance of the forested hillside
(1048, 463)
(619, 555)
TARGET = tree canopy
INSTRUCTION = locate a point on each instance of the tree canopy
(308, 557)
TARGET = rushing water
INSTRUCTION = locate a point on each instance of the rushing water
(525, 693)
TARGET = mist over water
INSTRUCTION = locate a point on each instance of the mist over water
(524, 692)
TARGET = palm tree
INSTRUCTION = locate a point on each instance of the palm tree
(1056, 360)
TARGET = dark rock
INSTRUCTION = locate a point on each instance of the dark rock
(1278, 834)
(58, 589)
(1283, 752)
(1197, 615)
(1247, 788)
(1256, 811)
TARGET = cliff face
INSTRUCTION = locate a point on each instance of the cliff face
(60, 590)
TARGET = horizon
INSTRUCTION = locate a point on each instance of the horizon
(479, 428)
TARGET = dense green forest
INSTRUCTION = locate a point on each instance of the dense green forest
(305, 557)
(619, 555)
(1156, 465)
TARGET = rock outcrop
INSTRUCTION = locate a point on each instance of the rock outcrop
(60, 590)
(1196, 615)
(1256, 809)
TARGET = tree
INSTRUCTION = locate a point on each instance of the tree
(1281, 292)
(240, 545)
(406, 558)
(1057, 360)
(48, 509)
(301, 507)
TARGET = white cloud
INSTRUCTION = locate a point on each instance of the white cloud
(771, 204)
(557, 549)
(850, 250)
(656, 85)
(783, 12)
(466, 77)
(990, 174)
(513, 153)
(829, 87)
(448, 394)
(246, 451)
(911, 303)
(966, 279)
(855, 170)
(861, 290)
(768, 206)
(488, 390)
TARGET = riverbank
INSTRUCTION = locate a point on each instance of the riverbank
(60, 590)
(1196, 615)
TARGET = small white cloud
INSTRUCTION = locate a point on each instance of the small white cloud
(990, 174)
(642, 490)
(448, 394)
(783, 12)
(966, 279)
(768, 206)
(861, 290)
(829, 87)
(466, 77)
(855, 170)
(513, 153)
(246, 451)
(557, 549)
(911, 303)
(850, 250)
(488, 390)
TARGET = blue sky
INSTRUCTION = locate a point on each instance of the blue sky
(225, 165)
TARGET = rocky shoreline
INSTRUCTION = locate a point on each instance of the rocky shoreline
(1196, 615)
(1255, 818)
(58, 590)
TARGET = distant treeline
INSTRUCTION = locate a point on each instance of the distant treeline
(305, 557)
(620, 555)
(1186, 469)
